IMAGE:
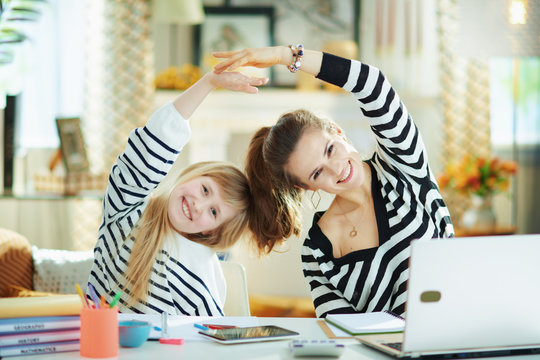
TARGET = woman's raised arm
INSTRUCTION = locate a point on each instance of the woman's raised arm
(266, 57)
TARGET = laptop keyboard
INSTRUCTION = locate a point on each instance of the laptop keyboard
(394, 345)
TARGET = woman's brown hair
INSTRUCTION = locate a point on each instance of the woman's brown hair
(277, 195)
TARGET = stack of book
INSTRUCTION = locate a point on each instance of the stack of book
(51, 325)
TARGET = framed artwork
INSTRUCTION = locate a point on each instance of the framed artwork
(233, 28)
(72, 145)
(312, 23)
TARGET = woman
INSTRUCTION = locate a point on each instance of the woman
(157, 244)
(355, 257)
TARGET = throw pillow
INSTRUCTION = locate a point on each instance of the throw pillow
(58, 271)
(15, 261)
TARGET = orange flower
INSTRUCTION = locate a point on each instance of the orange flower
(477, 175)
(509, 167)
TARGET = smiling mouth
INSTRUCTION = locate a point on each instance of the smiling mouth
(185, 209)
(347, 175)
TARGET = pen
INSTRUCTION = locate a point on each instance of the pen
(219, 327)
(115, 299)
(198, 326)
(81, 295)
(164, 325)
(93, 295)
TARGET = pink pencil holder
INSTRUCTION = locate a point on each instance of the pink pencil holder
(99, 332)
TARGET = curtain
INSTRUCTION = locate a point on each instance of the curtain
(119, 77)
(465, 101)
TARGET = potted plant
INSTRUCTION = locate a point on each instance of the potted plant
(479, 178)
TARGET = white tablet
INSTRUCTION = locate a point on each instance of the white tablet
(249, 334)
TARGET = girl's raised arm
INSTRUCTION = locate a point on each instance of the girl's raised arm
(190, 99)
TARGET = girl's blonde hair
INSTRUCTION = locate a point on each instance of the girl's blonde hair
(154, 226)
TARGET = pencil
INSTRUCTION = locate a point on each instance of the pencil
(81, 295)
(94, 296)
(115, 299)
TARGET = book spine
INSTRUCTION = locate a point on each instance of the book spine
(39, 337)
(39, 326)
(40, 349)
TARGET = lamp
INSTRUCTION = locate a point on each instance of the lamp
(501, 28)
(174, 12)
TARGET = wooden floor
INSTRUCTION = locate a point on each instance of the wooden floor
(280, 306)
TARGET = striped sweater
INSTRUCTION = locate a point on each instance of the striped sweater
(408, 204)
(187, 278)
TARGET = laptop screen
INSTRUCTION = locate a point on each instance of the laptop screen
(468, 293)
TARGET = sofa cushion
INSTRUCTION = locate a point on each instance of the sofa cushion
(15, 261)
(58, 271)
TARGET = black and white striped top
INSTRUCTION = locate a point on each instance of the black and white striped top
(408, 204)
(187, 278)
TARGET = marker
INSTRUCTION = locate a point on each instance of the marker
(103, 303)
(198, 326)
(93, 295)
(115, 299)
(81, 295)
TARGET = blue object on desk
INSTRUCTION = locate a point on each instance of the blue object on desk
(198, 326)
(133, 333)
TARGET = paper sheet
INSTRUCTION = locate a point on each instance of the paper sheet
(182, 326)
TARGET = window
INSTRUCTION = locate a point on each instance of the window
(527, 105)
(53, 78)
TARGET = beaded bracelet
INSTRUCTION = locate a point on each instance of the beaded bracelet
(297, 52)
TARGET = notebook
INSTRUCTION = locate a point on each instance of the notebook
(367, 323)
(469, 297)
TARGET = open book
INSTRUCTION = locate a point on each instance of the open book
(367, 323)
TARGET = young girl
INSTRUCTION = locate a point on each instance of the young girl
(156, 244)
(355, 257)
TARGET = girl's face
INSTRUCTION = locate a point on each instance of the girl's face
(197, 206)
(326, 161)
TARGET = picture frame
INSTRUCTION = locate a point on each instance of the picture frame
(311, 23)
(72, 145)
(233, 28)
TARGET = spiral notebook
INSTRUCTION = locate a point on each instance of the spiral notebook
(469, 297)
(367, 323)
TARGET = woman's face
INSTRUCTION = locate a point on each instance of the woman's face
(197, 206)
(327, 162)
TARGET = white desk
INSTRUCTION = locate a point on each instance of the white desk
(207, 349)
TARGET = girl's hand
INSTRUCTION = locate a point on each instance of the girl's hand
(237, 81)
(257, 57)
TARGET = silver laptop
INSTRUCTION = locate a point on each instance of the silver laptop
(477, 296)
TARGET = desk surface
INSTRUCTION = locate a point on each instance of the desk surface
(207, 349)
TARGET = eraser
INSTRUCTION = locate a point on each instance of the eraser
(171, 341)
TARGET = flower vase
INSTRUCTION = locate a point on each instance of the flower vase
(480, 217)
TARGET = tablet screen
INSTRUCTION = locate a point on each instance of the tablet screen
(250, 333)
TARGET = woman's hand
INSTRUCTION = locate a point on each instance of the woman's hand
(257, 57)
(236, 81)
